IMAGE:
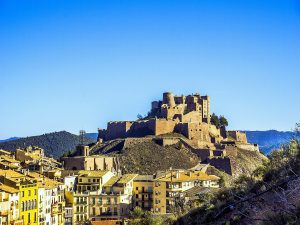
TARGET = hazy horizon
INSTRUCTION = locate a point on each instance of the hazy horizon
(72, 65)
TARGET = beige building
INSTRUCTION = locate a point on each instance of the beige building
(170, 185)
(92, 180)
(9, 205)
(114, 201)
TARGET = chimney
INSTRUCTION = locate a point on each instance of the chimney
(177, 174)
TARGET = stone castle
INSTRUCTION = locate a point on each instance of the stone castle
(186, 115)
(183, 120)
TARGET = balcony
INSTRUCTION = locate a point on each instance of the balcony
(81, 202)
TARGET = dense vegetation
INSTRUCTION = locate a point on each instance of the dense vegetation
(55, 144)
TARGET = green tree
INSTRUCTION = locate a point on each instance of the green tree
(215, 120)
(140, 117)
(223, 121)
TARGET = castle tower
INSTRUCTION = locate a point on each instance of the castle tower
(168, 99)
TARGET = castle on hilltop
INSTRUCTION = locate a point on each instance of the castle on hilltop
(174, 120)
(186, 115)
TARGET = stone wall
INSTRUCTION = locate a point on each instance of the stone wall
(231, 150)
(165, 141)
(238, 136)
(249, 147)
(90, 163)
(221, 163)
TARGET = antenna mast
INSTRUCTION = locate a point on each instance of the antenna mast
(82, 136)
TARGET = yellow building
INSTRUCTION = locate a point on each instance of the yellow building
(51, 200)
(28, 194)
(143, 192)
(171, 185)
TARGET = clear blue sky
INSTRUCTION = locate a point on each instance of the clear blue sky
(77, 64)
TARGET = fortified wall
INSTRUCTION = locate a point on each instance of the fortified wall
(187, 115)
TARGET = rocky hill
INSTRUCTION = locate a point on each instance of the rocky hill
(146, 156)
(55, 144)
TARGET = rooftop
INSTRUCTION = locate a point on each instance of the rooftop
(11, 174)
(186, 176)
(92, 173)
(144, 178)
(8, 189)
(8, 159)
(124, 179)
(127, 178)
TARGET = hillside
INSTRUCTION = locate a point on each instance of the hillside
(55, 144)
(145, 156)
(269, 140)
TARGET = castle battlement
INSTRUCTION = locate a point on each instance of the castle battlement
(188, 115)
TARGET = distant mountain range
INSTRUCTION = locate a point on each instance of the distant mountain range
(58, 143)
(9, 139)
(55, 144)
(270, 139)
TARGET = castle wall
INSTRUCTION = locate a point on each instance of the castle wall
(223, 164)
(238, 136)
(249, 147)
(117, 130)
(142, 128)
(166, 141)
(164, 126)
(195, 116)
(169, 113)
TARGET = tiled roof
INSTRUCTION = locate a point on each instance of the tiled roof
(186, 176)
(92, 173)
(8, 189)
(105, 222)
(144, 178)
(127, 178)
(112, 181)
(8, 159)
(11, 174)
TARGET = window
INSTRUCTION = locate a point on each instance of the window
(28, 217)
(137, 188)
(94, 211)
(23, 194)
(94, 180)
(29, 192)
